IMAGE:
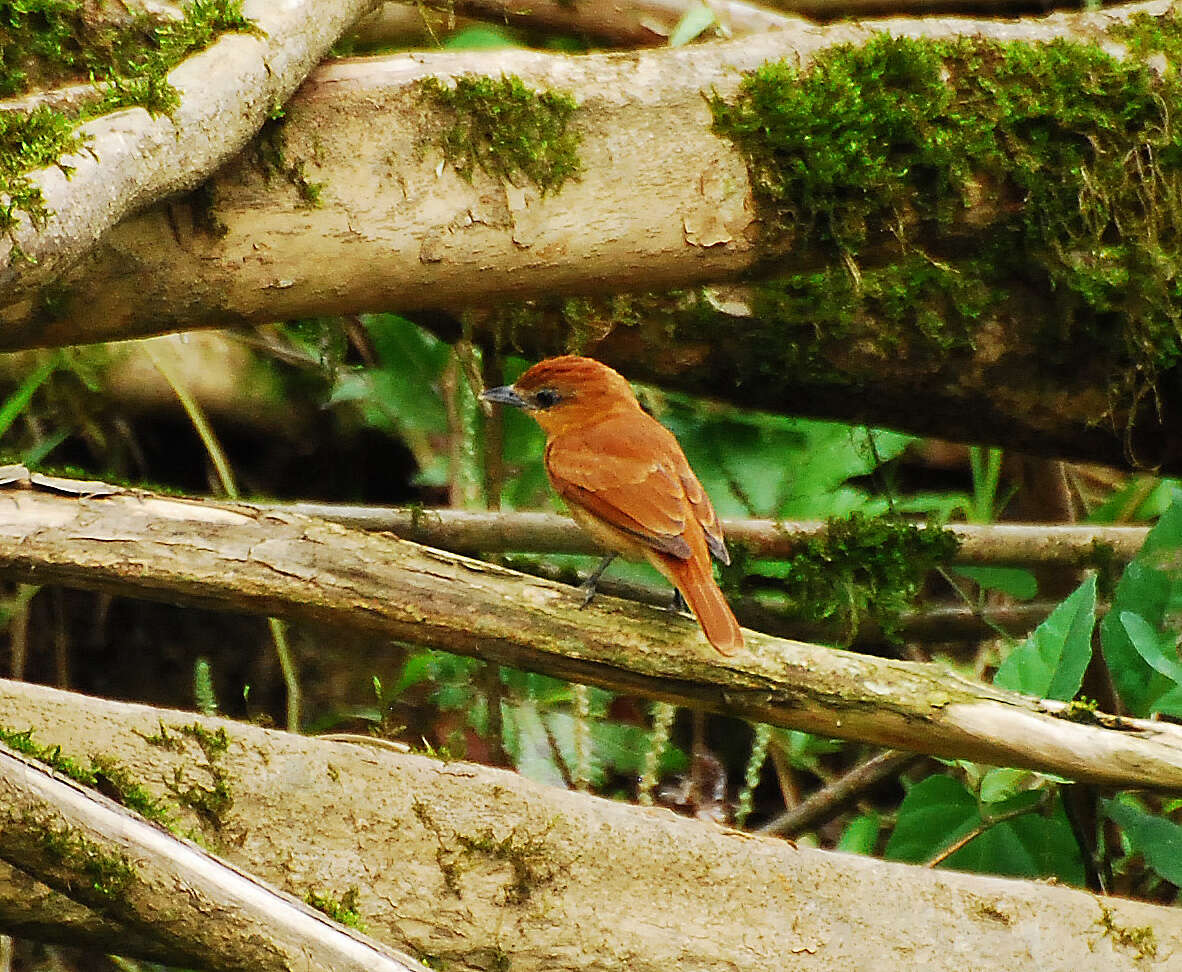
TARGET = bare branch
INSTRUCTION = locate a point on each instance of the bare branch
(133, 159)
(291, 566)
(211, 914)
(482, 868)
(472, 532)
(830, 800)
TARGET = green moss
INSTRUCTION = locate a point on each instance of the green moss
(506, 129)
(1141, 940)
(103, 774)
(91, 870)
(344, 911)
(868, 149)
(523, 855)
(857, 569)
(46, 42)
(209, 800)
(271, 156)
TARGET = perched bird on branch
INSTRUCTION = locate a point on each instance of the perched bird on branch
(626, 482)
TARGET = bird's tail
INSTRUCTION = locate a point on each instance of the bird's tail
(695, 579)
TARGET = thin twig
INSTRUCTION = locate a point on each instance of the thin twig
(221, 464)
(986, 825)
(830, 800)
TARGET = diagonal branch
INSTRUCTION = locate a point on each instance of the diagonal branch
(215, 916)
(292, 566)
(483, 869)
(133, 159)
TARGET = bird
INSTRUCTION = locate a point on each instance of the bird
(626, 482)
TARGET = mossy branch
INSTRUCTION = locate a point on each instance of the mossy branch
(475, 532)
(890, 303)
(291, 566)
(101, 163)
(480, 868)
(199, 909)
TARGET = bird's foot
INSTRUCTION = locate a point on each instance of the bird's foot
(677, 603)
(591, 584)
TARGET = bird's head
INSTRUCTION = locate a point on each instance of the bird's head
(564, 392)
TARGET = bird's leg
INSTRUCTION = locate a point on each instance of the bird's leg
(592, 582)
(677, 604)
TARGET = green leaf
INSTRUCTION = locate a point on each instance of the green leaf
(935, 812)
(19, 400)
(1151, 587)
(861, 834)
(1156, 839)
(695, 20)
(1003, 783)
(1013, 581)
(1149, 644)
(1052, 660)
(939, 811)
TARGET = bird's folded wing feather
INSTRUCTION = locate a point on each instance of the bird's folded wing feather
(633, 476)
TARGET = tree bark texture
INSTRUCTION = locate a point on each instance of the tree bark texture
(479, 868)
(291, 566)
(135, 158)
(197, 908)
(400, 229)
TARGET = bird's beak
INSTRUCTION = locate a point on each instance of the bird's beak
(504, 395)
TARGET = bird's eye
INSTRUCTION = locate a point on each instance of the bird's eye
(546, 397)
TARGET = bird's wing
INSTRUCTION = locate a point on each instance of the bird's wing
(626, 473)
(704, 512)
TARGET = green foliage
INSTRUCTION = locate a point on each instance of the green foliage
(908, 133)
(507, 129)
(345, 910)
(28, 141)
(1052, 660)
(939, 811)
(1157, 840)
(1141, 624)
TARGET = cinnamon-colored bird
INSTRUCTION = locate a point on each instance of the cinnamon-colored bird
(626, 481)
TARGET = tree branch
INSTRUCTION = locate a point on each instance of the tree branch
(450, 243)
(479, 867)
(133, 159)
(208, 913)
(638, 23)
(474, 532)
(291, 566)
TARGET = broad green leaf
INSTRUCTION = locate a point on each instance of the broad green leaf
(695, 20)
(939, 811)
(935, 812)
(1151, 587)
(1050, 663)
(528, 745)
(1014, 581)
(1149, 644)
(861, 834)
(1156, 839)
